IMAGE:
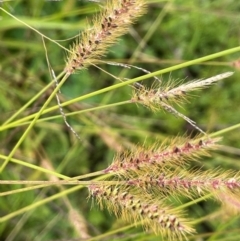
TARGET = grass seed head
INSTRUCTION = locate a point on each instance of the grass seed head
(113, 21)
(170, 93)
(151, 214)
(174, 153)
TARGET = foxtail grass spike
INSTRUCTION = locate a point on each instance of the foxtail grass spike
(113, 21)
(176, 152)
(223, 185)
(157, 98)
(153, 215)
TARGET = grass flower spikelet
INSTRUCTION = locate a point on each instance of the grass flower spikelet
(106, 28)
(192, 183)
(175, 152)
(162, 97)
(154, 97)
(152, 214)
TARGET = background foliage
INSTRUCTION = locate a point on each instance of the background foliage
(170, 33)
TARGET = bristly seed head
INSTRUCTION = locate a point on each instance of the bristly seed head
(153, 215)
(152, 97)
(107, 28)
(175, 153)
(157, 98)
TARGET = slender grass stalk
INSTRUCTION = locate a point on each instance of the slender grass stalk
(39, 203)
(23, 121)
(44, 201)
(32, 166)
(32, 124)
(35, 30)
(26, 105)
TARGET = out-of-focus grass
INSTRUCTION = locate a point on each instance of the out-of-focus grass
(171, 32)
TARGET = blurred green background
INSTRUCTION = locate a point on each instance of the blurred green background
(169, 33)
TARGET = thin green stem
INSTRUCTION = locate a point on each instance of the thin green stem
(47, 185)
(231, 128)
(93, 174)
(194, 202)
(29, 165)
(25, 189)
(21, 121)
(33, 123)
(25, 106)
(39, 203)
(50, 183)
(47, 200)
(44, 36)
(109, 233)
(29, 102)
(222, 228)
